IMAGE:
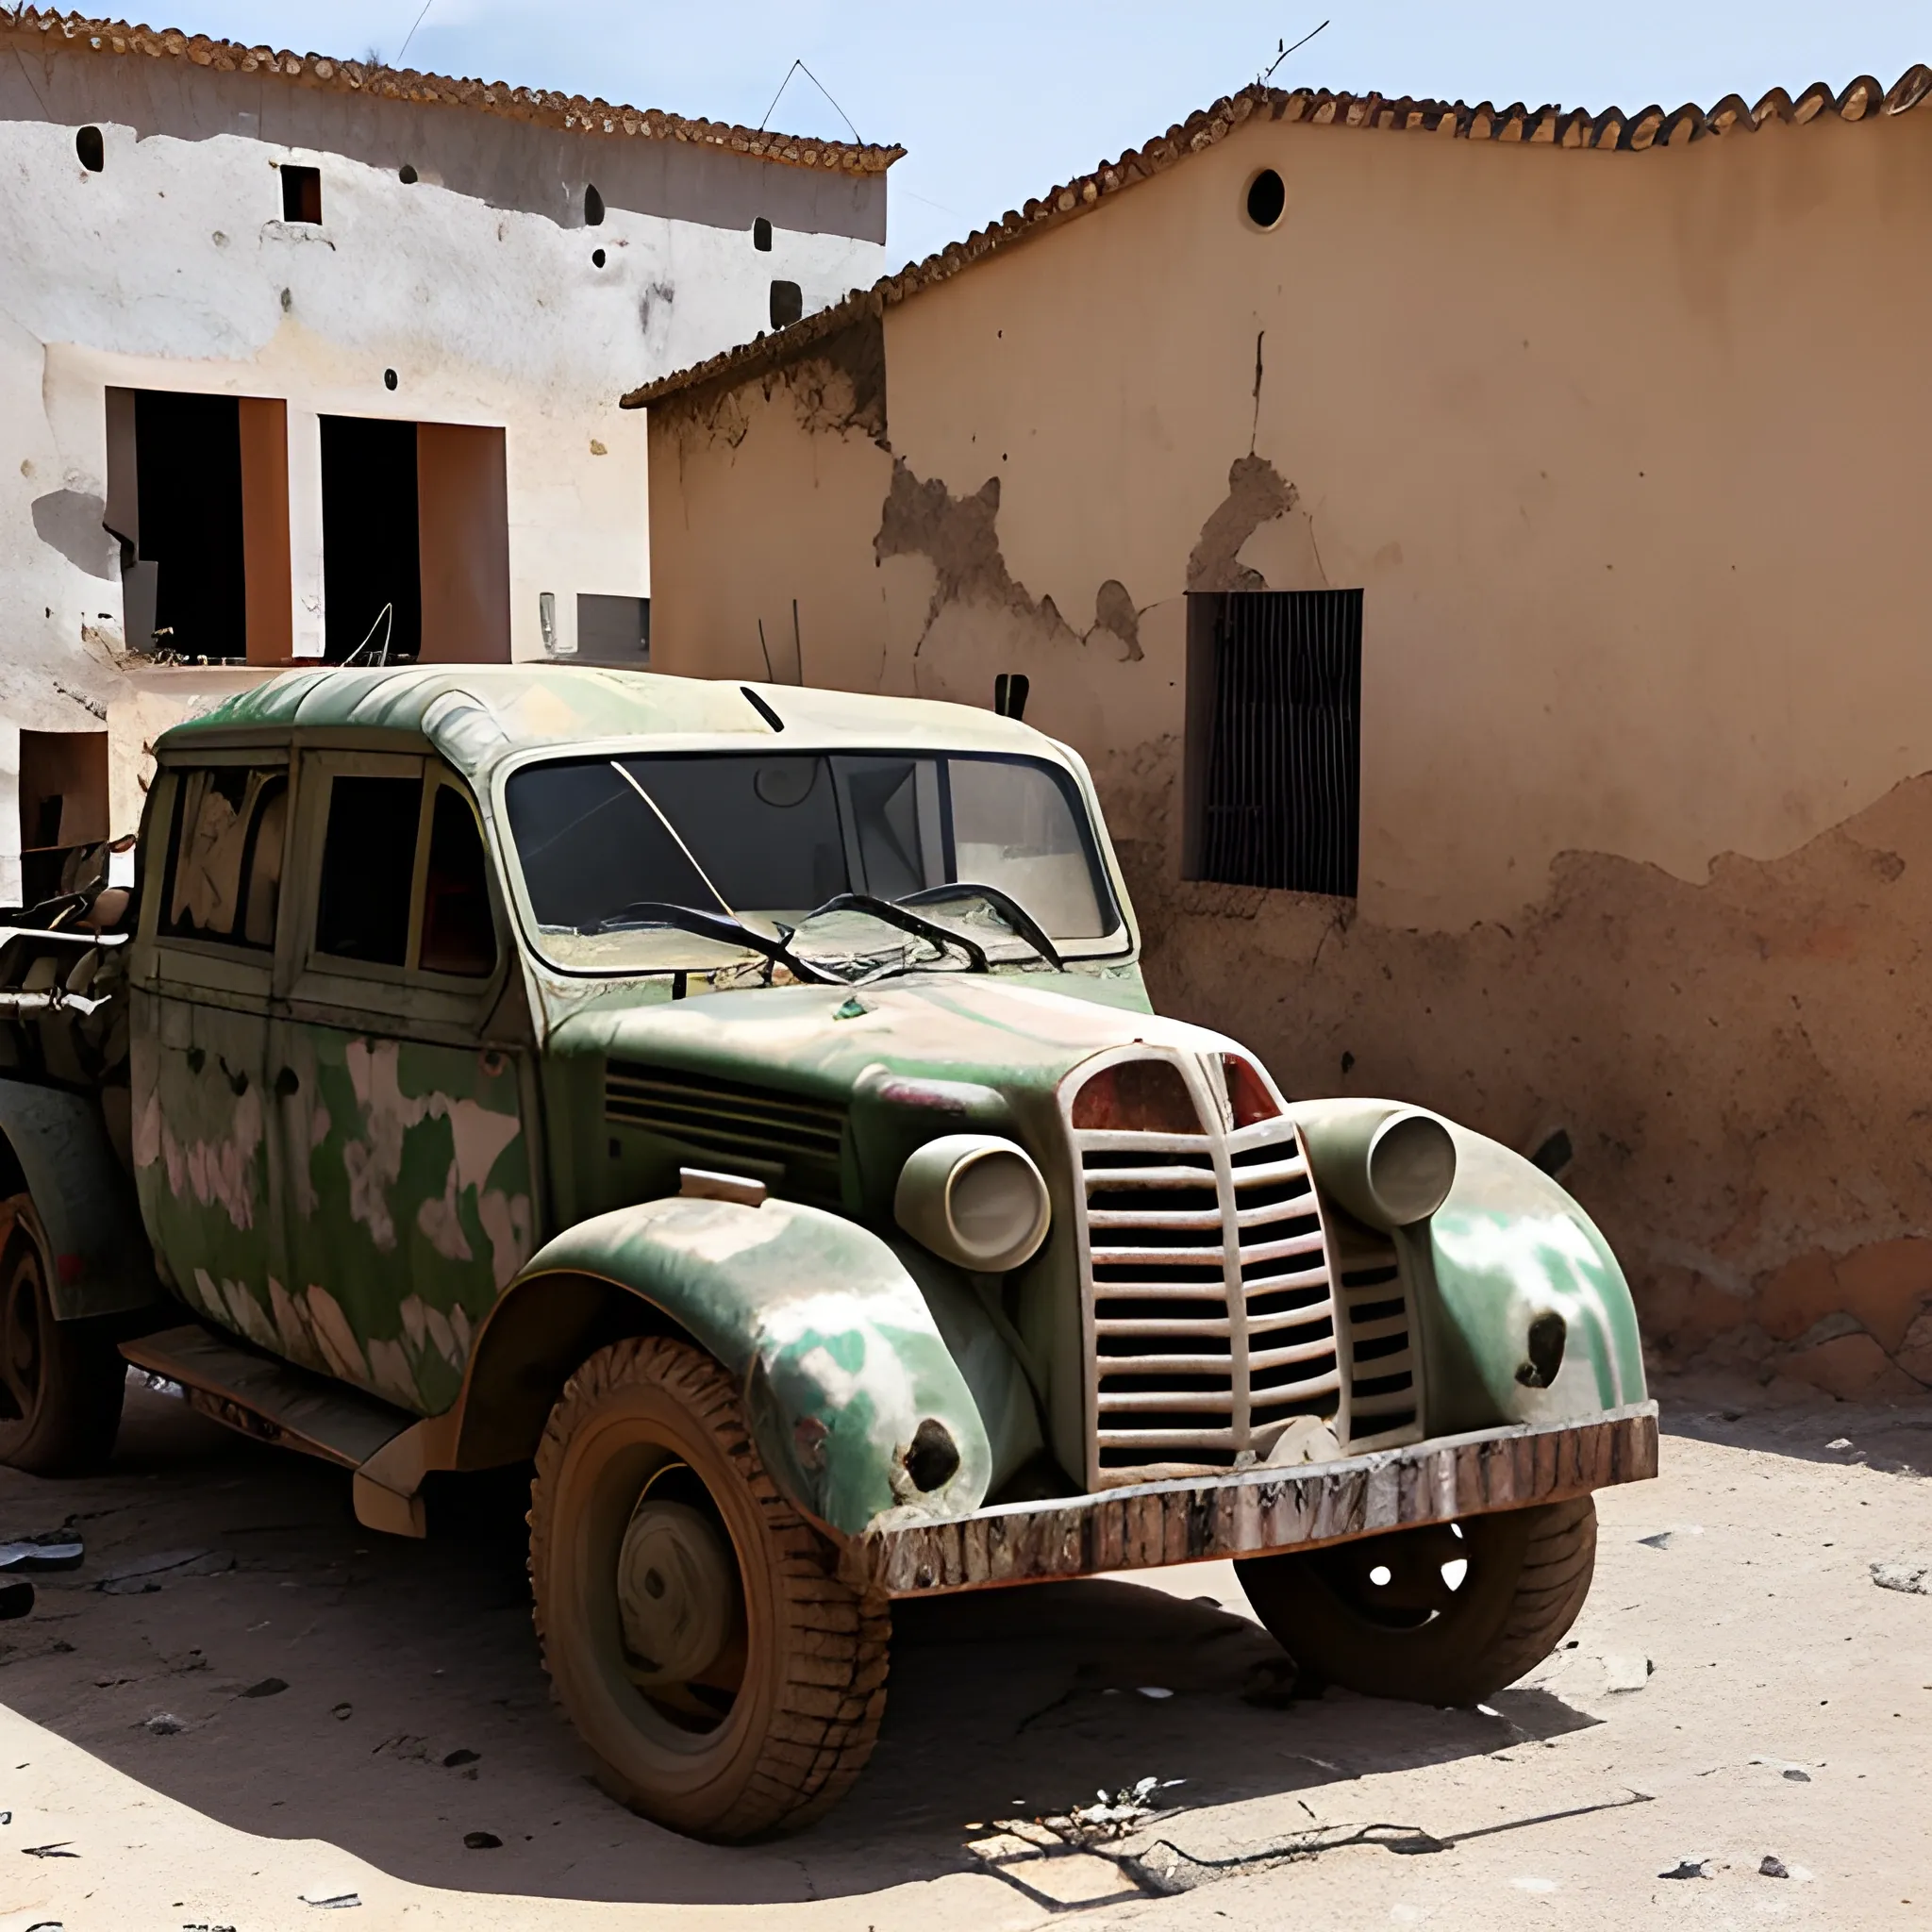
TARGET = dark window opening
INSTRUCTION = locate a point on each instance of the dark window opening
(459, 934)
(63, 806)
(1273, 775)
(593, 208)
(368, 867)
(389, 379)
(408, 175)
(761, 235)
(1009, 689)
(1267, 198)
(372, 582)
(225, 857)
(614, 630)
(788, 303)
(301, 194)
(92, 149)
(189, 522)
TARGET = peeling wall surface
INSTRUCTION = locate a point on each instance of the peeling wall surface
(172, 268)
(1628, 455)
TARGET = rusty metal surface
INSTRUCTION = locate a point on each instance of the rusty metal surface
(1258, 1511)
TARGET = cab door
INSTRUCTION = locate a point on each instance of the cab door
(402, 1093)
(202, 985)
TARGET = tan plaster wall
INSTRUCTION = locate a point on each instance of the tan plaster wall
(1630, 454)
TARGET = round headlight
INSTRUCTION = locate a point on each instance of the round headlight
(975, 1199)
(1411, 1167)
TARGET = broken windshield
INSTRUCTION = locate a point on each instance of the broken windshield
(767, 839)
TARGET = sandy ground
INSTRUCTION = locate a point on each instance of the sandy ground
(1782, 1706)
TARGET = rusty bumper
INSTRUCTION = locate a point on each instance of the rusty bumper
(1257, 1511)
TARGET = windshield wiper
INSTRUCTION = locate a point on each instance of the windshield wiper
(643, 913)
(892, 913)
(1010, 908)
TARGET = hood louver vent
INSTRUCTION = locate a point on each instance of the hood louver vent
(784, 1137)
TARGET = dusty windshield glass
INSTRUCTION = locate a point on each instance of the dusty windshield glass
(768, 839)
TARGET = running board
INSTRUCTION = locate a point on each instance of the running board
(276, 1402)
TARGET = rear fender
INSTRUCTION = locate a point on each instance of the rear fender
(833, 1344)
(98, 1258)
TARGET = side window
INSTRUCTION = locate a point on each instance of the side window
(459, 934)
(224, 865)
(367, 868)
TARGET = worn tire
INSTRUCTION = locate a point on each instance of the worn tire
(804, 1717)
(1529, 1570)
(61, 1383)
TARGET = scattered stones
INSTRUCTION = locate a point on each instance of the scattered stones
(338, 1902)
(53, 1851)
(1913, 1576)
(137, 1575)
(163, 1723)
(1665, 1538)
(1626, 1671)
(269, 1687)
(481, 1840)
(342, 1712)
(1154, 1690)
(1770, 1867)
(1839, 1442)
(458, 1757)
(1687, 1868)
(1794, 1776)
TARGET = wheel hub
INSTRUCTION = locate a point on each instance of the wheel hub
(676, 1591)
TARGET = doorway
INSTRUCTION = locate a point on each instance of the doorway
(372, 563)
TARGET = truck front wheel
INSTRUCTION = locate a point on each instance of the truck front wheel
(1442, 1614)
(727, 1683)
(60, 1382)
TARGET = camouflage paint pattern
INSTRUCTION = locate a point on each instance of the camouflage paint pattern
(838, 1352)
(407, 1177)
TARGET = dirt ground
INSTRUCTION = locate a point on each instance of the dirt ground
(244, 1705)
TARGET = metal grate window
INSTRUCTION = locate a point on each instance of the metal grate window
(1274, 739)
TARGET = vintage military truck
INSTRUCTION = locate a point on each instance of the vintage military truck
(741, 1104)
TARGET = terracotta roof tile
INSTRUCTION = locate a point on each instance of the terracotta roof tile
(1863, 99)
(34, 29)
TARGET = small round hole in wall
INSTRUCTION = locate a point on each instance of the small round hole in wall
(761, 235)
(1267, 198)
(593, 208)
(92, 149)
(408, 175)
(389, 378)
(597, 258)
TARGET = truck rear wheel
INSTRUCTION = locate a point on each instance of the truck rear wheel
(60, 1382)
(1443, 1614)
(728, 1684)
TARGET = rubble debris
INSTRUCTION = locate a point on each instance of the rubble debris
(1770, 1867)
(1839, 1442)
(269, 1687)
(1626, 1671)
(458, 1757)
(481, 1842)
(1913, 1576)
(1114, 1817)
(342, 1712)
(163, 1723)
(1665, 1538)
(1687, 1868)
(1796, 1776)
(342, 1901)
(53, 1549)
(53, 1851)
(16, 1599)
(135, 1577)
(1156, 1690)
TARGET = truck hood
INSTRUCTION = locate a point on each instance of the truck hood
(822, 1041)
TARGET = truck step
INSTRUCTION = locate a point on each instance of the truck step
(271, 1401)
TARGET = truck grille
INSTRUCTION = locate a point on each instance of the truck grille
(1213, 1317)
(1381, 1358)
(783, 1137)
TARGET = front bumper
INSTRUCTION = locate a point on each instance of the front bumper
(1256, 1512)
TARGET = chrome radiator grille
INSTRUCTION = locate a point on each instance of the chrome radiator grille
(1213, 1317)
(1382, 1397)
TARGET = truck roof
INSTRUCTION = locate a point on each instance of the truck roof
(475, 714)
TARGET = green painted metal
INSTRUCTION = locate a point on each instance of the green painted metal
(841, 1357)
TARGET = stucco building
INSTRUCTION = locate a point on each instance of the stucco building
(1480, 554)
(301, 356)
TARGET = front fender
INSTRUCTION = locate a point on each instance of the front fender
(1507, 1245)
(832, 1342)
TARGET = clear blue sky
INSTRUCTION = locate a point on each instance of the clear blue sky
(996, 100)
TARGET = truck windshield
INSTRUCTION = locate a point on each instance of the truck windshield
(768, 837)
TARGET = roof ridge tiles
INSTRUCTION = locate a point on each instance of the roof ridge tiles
(81, 33)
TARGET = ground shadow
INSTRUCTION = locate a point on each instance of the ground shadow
(1785, 1420)
(257, 1654)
